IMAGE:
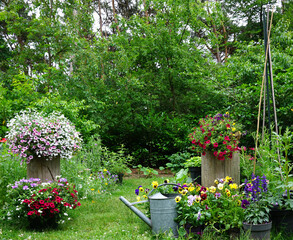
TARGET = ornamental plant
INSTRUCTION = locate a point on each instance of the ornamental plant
(217, 207)
(219, 134)
(256, 200)
(40, 204)
(34, 134)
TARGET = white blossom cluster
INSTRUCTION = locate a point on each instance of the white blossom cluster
(33, 134)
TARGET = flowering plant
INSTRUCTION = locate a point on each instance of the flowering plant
(33, 134)
(43, 204)
(92, 185)
(219, 134)
(218, 207)
(256, 201)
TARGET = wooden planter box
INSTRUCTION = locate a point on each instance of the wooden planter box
(212, 168)
(46, 170)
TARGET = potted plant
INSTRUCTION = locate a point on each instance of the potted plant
(40, 205)
(41, 139)
(216, 139)
(117, 162)
(256, 204)
(194, 167)
(216, 207)
(279, 167)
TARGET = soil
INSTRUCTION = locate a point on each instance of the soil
(136, 174)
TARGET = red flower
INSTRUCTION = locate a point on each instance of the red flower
(205, 138)
(3, 140)
(224, 142)
(203, 196)
(228, 125)
(30, 213)
(229, 147)
(216, 145)
(78, 204)
(215, 153)
(227, 138)
(41, 202)
(204, 153)
(209, 134)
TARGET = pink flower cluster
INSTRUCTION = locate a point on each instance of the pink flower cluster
(31, 134)
(216, 134)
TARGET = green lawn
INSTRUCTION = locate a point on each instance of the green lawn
(106, 217)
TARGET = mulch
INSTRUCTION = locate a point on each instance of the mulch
(162, 173)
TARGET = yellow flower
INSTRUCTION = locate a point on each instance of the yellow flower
(184, 191)
(233, 124)
(105, 170)
(92, 189)
(233, 186)
(228, 179)
(138, 198)
(233, 129)
(166, 181)
(197, 198)
(228, 192)
(220, 186)
(239, 203)
(216, 182)
(227, 113)
(177, 199)
(198, 188)
(106, 183)
(155, 184)
(212, 189)
(190, 189)
(145, 196)
(180, 190)
(99, 191)
(93, 201)
(141, 189)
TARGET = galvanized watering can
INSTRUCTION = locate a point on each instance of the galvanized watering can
(162, 209)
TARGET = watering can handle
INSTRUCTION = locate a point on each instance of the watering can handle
(163, 184)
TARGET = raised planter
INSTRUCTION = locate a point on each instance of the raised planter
(212, 168)
(46, 170)
(259, 231)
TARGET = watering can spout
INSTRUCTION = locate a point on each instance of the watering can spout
(136, 211)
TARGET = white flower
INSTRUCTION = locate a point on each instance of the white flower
(66, 214)
(32, 133)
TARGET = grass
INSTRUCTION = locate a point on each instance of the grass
(105, 217)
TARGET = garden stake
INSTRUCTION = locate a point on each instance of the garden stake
(261, 91)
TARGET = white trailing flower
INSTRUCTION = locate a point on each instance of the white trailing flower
(33, 134)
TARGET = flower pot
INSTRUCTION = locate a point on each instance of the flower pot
(46, 170)
(189, 228)
(282, 219)
(195, 174)
(212, 168)
(120, 177)
(259, 231)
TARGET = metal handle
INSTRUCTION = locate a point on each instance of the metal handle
(163, 184)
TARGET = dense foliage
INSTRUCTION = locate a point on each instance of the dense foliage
(142, 73)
